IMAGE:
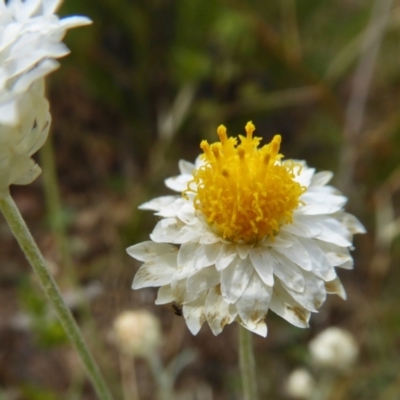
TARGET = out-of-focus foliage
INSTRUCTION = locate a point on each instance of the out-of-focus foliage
(287, 65)
(43, 322)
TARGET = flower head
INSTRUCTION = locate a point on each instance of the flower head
(137, 333)
(30, 41)
(251, 233)
(300, 384)
(334, 348)
(245, 193)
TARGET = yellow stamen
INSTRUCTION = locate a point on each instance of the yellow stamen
(245, 192)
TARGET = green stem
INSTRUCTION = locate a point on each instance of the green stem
(49, 286)
(324, 387)
(247, 365)
(69, 277)
(164, 383)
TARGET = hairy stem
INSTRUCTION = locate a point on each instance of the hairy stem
(50, 288)
(247, 365)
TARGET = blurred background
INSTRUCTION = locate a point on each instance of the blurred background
(141, 88)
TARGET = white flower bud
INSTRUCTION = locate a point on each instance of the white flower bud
(300, 384)
(334, 348)
(137, 333)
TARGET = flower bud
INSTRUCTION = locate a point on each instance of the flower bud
(300, 384)
(137, 333)
(334, 348)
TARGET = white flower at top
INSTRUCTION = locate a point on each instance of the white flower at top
(251, 233)
(30, 41)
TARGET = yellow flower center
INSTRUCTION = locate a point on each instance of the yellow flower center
(244, 192)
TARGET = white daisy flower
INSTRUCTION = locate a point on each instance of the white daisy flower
(30, 41)
(251, 233)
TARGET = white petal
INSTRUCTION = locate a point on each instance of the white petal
(302, 225)
(263, 264)
(336, 287)
(158, 203)
(226, 255)
(181, 295)
(317, 203)
(254, 302)
(234, 279)
(164, 295)
(195, 256)
(187, 213)
(351, 223)
(296, 253)
(29, 172)
(277, 241)
(319, 260)
(10, 113)
(336, 255)
(75, 21)
(323, 190)
(208, 254)
(187, 255)
(178, 183)
(194, 314)
(321, 178)
(184, 272)
(243, 250)
(172, 209)
(218, 312)
(260, 328)
(305, 176)
(284, 305)
(203, 279)
(314, 294)
(146, 251)
(333, 231)
(50, 6)
(288, 272)
(157, 272)
(42, 69)
(186, 167)
(209, 237)
(171, 230)
(347, 265)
